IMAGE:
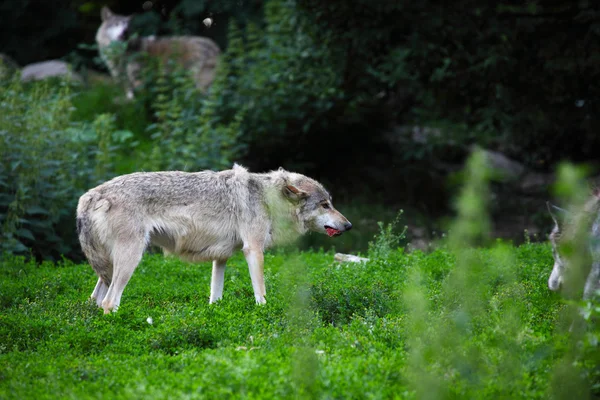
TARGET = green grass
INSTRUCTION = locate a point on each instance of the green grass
(327, 331)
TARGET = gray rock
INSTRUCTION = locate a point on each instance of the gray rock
(508, 168)
(47, 69)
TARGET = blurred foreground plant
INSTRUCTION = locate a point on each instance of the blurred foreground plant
(467, 344)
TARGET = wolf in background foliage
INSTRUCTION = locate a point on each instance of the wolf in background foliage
(590, 218)
(196, 54)
(198, 216)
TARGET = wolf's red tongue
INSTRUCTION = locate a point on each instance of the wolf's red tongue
(332, 232)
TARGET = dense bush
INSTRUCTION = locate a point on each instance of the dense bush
(46, 162)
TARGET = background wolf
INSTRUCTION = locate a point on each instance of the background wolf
(199, 216)
(567, 224)
(199, 55)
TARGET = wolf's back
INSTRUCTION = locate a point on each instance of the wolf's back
(195, 53)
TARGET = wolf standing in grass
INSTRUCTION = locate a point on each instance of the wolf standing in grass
(199, 55)
(198, 216)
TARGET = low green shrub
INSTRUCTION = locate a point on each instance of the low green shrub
(327, 330)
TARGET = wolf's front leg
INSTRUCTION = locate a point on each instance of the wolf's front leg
(255, 259)
(218, 278)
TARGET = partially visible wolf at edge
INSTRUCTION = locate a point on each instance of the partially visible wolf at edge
(196, 54)
(590, 218)
(198, 216)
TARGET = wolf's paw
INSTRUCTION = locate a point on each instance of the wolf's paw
(109, 306)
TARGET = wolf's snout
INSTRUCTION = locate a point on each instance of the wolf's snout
(331, 231)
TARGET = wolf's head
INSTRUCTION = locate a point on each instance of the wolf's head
(314, 207)
(113, 28)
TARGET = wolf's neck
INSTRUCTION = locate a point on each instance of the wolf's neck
(286, 227)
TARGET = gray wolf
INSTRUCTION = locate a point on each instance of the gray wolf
(566, 224)
(200, 216)
(199, 55)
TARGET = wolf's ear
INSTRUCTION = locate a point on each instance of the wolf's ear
(105, 13)
(293, 193)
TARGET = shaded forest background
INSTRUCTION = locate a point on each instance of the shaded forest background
(380, 100)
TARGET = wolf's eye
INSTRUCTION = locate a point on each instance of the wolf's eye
(325, 206)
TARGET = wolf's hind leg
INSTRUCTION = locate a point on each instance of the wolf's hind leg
(217, 280)
(99, 292)
(127, 254)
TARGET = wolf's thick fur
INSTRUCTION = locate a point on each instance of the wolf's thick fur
(588, 219)
(199, 55)
(198, 216)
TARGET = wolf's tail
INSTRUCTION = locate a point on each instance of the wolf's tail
(91, 205)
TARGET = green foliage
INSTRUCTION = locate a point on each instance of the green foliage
(191, 131)
(387, 241)
(280, 81)
(290, 346)
(46, 163)
(469, 339)
(106, 98)
(588, 346)
(571, 189)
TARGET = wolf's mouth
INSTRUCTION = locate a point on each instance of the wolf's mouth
(332, 231)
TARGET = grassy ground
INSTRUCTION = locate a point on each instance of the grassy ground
(328, 331)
